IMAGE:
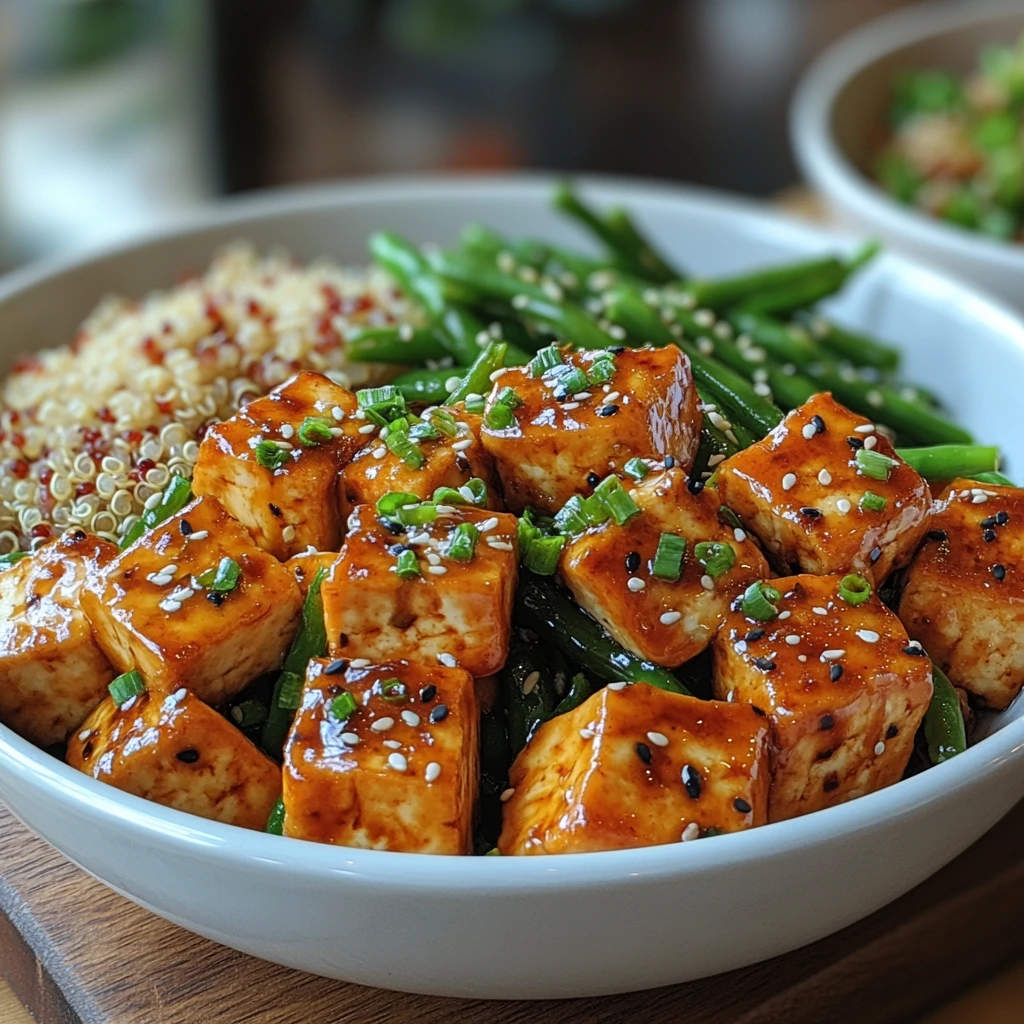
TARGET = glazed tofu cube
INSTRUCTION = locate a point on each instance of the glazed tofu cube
(175, 750)
(841, 683)
(305, 567)
(964, 593)
(394, 768)
(802, 492)
(559, 440)
(456, 612)
(636, 766)
(449, 462)
(288, 506)
(154, 607)
(52, 673)
(667, 619)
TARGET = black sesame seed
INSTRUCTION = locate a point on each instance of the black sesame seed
(1002, 518)
(397, 549)
(691, 779)
(811, 513)
(393, 527)
(819, 424)
(189, 756)
(758, 711)
(988, 536)
(987, 524)
(835, 672)
(695, 486)
(914, 650)
(617, 349)
(827, 721)
(633, 561)
(336, 666)
(216, 597)
(670, 461)
(754, 634)
(643, 752)
(428, 693)
(440, 713)
(561, 393)
(999, 571)
(274, 510)
(892, 732)
(741, 805)
(593, 479)
(876, 554)
(831, 783)
(607, 410)
(462, 464)
(78, 536)
(855, 443)
(186, 528)
(765, 664)
(937, 535)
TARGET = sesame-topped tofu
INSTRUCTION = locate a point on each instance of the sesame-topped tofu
(964, 593)
(275, 464)
(304, 567)
(841, 683)
(826, 493)
(52, 673)
(660, 607)
(175, 750)
(437, 592)
(637, 766)
(449, 460)
(584, 417)
(195, 603)
(383, 757)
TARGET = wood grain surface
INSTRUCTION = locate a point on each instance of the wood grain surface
(76, 953)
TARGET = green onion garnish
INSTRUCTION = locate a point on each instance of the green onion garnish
(401, 444)
(275, 823)
(126, 686)
(475, 487)
(290, 690)
(718, 558)
(571, 519)
(546, 359)
(424, 431)
(571, 378)
(13, 557)
(500, 416)
(270, 456)
(475, 403)
(343, 706)
(249, 713)
(594, 510)
(668, 559)
(223, 578)
(417, 515)
(872, 501)
(313, 432)
(540, 554)
(177, 494)
(407, 566)
(874, 464)
(636, 468)
(601, 370)
(394, 691)
(757, 601)
(727, 516)
(854, 589)
(621, 506)
(462, 546)
(382, 405)
(389, 504)
(445, 422)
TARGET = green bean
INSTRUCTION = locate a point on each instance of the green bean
(386, 345)
(177, 494)
(712, 442)
(855, 347)
(275, 823)
(482, 242)
(310, 642)
(559, 622)
(779, 340)
(721, 293)
(495, 759)
(998, 479)
(944, 729)
(653, 265)
(806, 291)
(529, 688)
(429, 386)
(948, 461)
(477, 379)
(625, 306)
(580, 688)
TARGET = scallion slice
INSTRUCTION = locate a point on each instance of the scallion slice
(177, 494)
(405, 447)
(407, 566)
(499, 417)
(275, 822)
(727, 516)
(571, 378)
(601, 370)
(668, 559)
(417, 515)
(540, 554)
(289, 694)
(13, 557)
(636, 468)
(475, 403)
(394, 691)
(872, 501)
(594, 510)
(270, 455)
(571, 518)
(126, 686)
(343, 706)
(445, 422)
(389, 504)
(476, 488)
(424, 431)
(854, 589)
(717, 557)
(382, 405)
(758, 601)
(874, 464)
(462, 546)
(313, 431)
(223, 578)
(621, 506)
(546, 359)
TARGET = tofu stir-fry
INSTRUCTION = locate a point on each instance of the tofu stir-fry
(647, 559)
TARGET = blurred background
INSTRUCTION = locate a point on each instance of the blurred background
(116, 114)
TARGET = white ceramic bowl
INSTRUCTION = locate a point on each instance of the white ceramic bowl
(539, 926)
(841, 107)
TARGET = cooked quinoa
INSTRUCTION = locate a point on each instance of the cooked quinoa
(91, 431)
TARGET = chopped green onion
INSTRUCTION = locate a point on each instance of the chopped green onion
(177, 494)
(636, 468)
(13, 557)
(872, 501)
(275, 823)
(223, 578)
(571, 378)
(463, 543)
(445, 422)
(601, 370)
(450, 496)
(408, 565)
(290, 690)
(595, 511)
(249, 713)
(424, 432)
(546, 359)
(718, 558)
(621, 506)
(382, 405)
(126, 686)
(854, 589)
(500, 416)
(874, 464)
(313, 431)
(270, 456)
(394, 691)
(401, 444)
(727, 516)
(758, 601)
(475, 403)
(417, 515)
(389, 504)
(668, 559)
(571, 519)
(477, 488)
(540, 554)
(343, 706)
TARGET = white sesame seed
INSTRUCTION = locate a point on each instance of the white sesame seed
(359, 662)
(979, 499)
(707, 582)
(432, 772)
(618, 686)
(784, 615)
(437, 570)
(692, 831)
(704, 318)
(879, 748)
(635, 584)
(740, 535)
(445, 510)
(488, 524)
(398, 762)
(168, 605)
(824, 477)
(808, 431)
(581, 396)
(659, 739)
(411, 718)
(392, 744)
(792, 639)
(741, 646)
(801, 657)
(287, 430)
(916, 644)
(762, 389)
(530, 682)
(611, 396)
(452, 383)
(715, 459)
(199, 535)
(349, 738)
(501, 371)
(875, 398)
(834, 655)
(337, 412)
(865, 428)
(843, 506)
(153, 500)
(670, 618)
(869, 636)
(288, 534)
(818, 610)
(789, 481)
(586, 734)
(433, 557)
(461, 446)
(367, 428)
(507, 795)
(380, 452)
(448, 660)
(84, 735)
(569, 406)
(499, 545)
(382, 724)
(181, 594)
(870, 442)
(180, 694)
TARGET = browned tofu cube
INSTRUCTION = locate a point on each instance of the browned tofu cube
(964, 593)
(455, 612)
(175, 750)
(52, 673)
(152, 610)
(448, 462)
(383, 757)
(289, 500)
(841, 683)
(305, 567)
(667, 619)
(636, 766)
(802, 492)
(559, 440)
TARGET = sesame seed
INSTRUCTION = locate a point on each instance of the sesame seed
(488, 524)
(530, 682)
(670, 618)
(382, 724)
(643, 752)
(741, 805)
(507, 795)
(439, 713)
(808, 431)
(349, 738)
(618, 686)
(367, 428)
(691, 780)
(337, 412)
(448, 660)
(741, 646)
(784, 615)
(433, 772)
(359, 662)
(437, 570)
(870, 442)
(659, 739)
(740, 535)
(199, 535)
(715, 459)
(461, 446)
(869, 636)
(979, 499)
(707, 582)
(811, 513)
(433, 557)
(755, 634)
(692, 831)
(764, 664)
(865, 428)
(792, 639)
(824, 477)
(411, 718)
(914, 648)
(801, 657)
(611, 396)
(879, 748)
(287, 430)
(569, 406)
(843, 506)
(586, 734)
(380, 452)
(833, 655)
(288, 534)
(398, 762)
(835, 672)
(636, 584)
(84, 735)
(499, 545)
(818, 423)
(789, 481)
(168, 605)
(999, 571)
(392, 744)
(337, 666)
(607, 410)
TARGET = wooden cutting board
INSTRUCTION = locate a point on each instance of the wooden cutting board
(76, 953)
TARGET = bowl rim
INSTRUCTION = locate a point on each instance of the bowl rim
(298, 862)
(825, 164)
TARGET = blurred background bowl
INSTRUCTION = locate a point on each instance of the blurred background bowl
(840, 111)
